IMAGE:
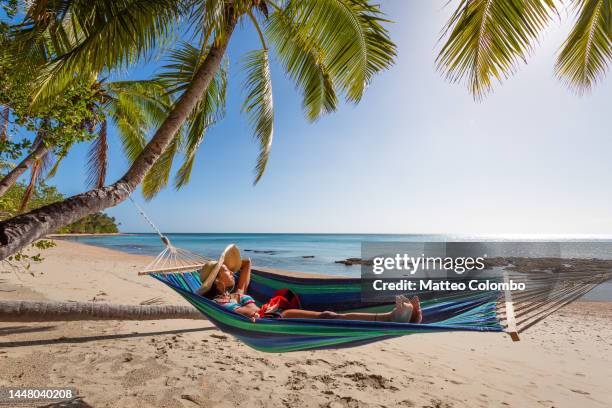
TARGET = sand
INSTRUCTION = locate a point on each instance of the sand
(565, 361)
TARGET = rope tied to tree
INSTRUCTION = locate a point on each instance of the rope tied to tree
(171, 259)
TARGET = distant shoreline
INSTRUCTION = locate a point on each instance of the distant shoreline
(100, 234)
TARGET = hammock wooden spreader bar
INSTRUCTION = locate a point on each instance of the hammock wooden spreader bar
(173, 259)
(546, 292)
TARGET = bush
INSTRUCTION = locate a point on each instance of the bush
(98, 223)
(45, 194)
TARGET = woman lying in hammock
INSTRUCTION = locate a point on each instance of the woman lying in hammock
(219, 284)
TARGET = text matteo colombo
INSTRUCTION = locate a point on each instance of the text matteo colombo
(428, 284)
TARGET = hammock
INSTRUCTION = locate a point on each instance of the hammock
(473, 312)
(485, 311)
(490, 311)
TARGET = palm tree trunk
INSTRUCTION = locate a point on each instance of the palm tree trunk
(24, 311)
(21, 230)
(4, 123)
(11, 178)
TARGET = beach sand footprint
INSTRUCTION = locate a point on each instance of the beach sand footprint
(374, 381)
(346, 402)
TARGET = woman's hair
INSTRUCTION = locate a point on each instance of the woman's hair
(213, 292)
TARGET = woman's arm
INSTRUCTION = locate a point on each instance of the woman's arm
(245, 276)
(251, 311)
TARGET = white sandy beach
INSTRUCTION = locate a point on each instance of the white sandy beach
(565, 361)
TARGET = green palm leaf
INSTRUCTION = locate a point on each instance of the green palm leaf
(93, 35)
(59, 157)
(130, 120)
(210, 110)
(175, 77)
(259, 105)
(97, 158)
(487, 39)
(207, 16)
(585, 55)
(150, 95)
(157, 178)
(135, 107)
(198, 124)
(350, 35)
(304, 63)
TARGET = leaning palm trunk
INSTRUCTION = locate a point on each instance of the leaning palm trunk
(19, 231)
(11, 178)
(23, 311)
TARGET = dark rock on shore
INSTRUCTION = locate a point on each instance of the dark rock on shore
(262, 251)
(355, 261)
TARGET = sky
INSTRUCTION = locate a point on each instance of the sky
(417, 155)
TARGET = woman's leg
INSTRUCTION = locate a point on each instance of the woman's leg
(401, 313)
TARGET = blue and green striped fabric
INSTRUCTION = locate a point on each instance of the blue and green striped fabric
(464, 312)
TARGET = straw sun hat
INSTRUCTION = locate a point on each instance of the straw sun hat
(230, 258)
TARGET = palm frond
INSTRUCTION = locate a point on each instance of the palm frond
(135, 107)
(586, 53)
(149, 95)
(39, 167)
(94, 35)
(197, 126)
(97, 158)
(176, 76)
(4, 123)
(27, 195)
(259, 105)
(351, 37)
(487, 38)
(304, 63)
(59, 157)
(210, 110)
(157, 178)
(207, 17)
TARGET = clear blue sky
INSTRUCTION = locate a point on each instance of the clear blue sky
(416, 156)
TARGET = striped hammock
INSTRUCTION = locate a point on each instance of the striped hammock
(464, 312)
(483, 311)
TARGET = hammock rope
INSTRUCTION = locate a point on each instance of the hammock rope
(171, 258)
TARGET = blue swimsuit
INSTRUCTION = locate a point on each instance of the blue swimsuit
(232, 305)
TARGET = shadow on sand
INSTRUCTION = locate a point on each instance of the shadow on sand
(5, 331)
(86, 339)
(76, 402)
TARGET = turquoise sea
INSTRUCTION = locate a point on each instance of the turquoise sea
(287, 251)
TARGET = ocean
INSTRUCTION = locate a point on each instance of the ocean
(317, 253)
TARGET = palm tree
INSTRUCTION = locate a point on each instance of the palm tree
(29, 311)
(326, 46)
(487, 39)
(132, 106)
(36, 155)
(4, 123)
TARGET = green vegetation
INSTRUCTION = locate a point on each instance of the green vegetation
(44, 194)
(98, 223)
(40, 195)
